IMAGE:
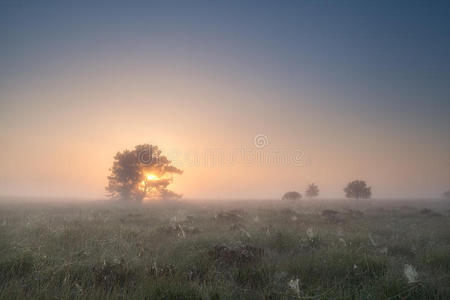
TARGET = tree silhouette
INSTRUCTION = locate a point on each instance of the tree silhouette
(312, 191)
(446, 195)
(140, 174)
(292, 196)
(358, 190)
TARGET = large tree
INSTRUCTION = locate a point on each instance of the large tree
(358, 189)
(141, 174)
(312, 191)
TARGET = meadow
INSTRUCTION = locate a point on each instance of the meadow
(318, 249)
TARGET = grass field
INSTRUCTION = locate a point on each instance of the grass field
(239, 250)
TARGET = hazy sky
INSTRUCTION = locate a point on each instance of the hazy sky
(342, 90)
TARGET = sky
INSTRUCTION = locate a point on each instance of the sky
(250, 98)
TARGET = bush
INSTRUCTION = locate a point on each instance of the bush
(292, 196)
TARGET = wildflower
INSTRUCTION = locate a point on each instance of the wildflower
(181, 233)
(410, 273)
(293, 284)
(310, 233)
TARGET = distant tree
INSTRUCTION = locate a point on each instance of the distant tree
(446, 195)
(312, 191)
(358, 190)
(140, 174)
(292, 196)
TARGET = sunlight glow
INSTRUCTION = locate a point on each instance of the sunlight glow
(152, 177)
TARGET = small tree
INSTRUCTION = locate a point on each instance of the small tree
(143, 173)
(358, 189)
(292, 196)
(312, 191)
(446, 195)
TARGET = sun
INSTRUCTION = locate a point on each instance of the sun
(146, 183)
(152, 177)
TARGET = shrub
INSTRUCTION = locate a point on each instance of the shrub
(292, 196)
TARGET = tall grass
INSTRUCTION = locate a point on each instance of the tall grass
(158, 251)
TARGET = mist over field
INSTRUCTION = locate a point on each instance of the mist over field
(224, 149)
(225, 250)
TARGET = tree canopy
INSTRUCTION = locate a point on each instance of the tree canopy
(141, 174)
(312, 191)
(358, 189)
